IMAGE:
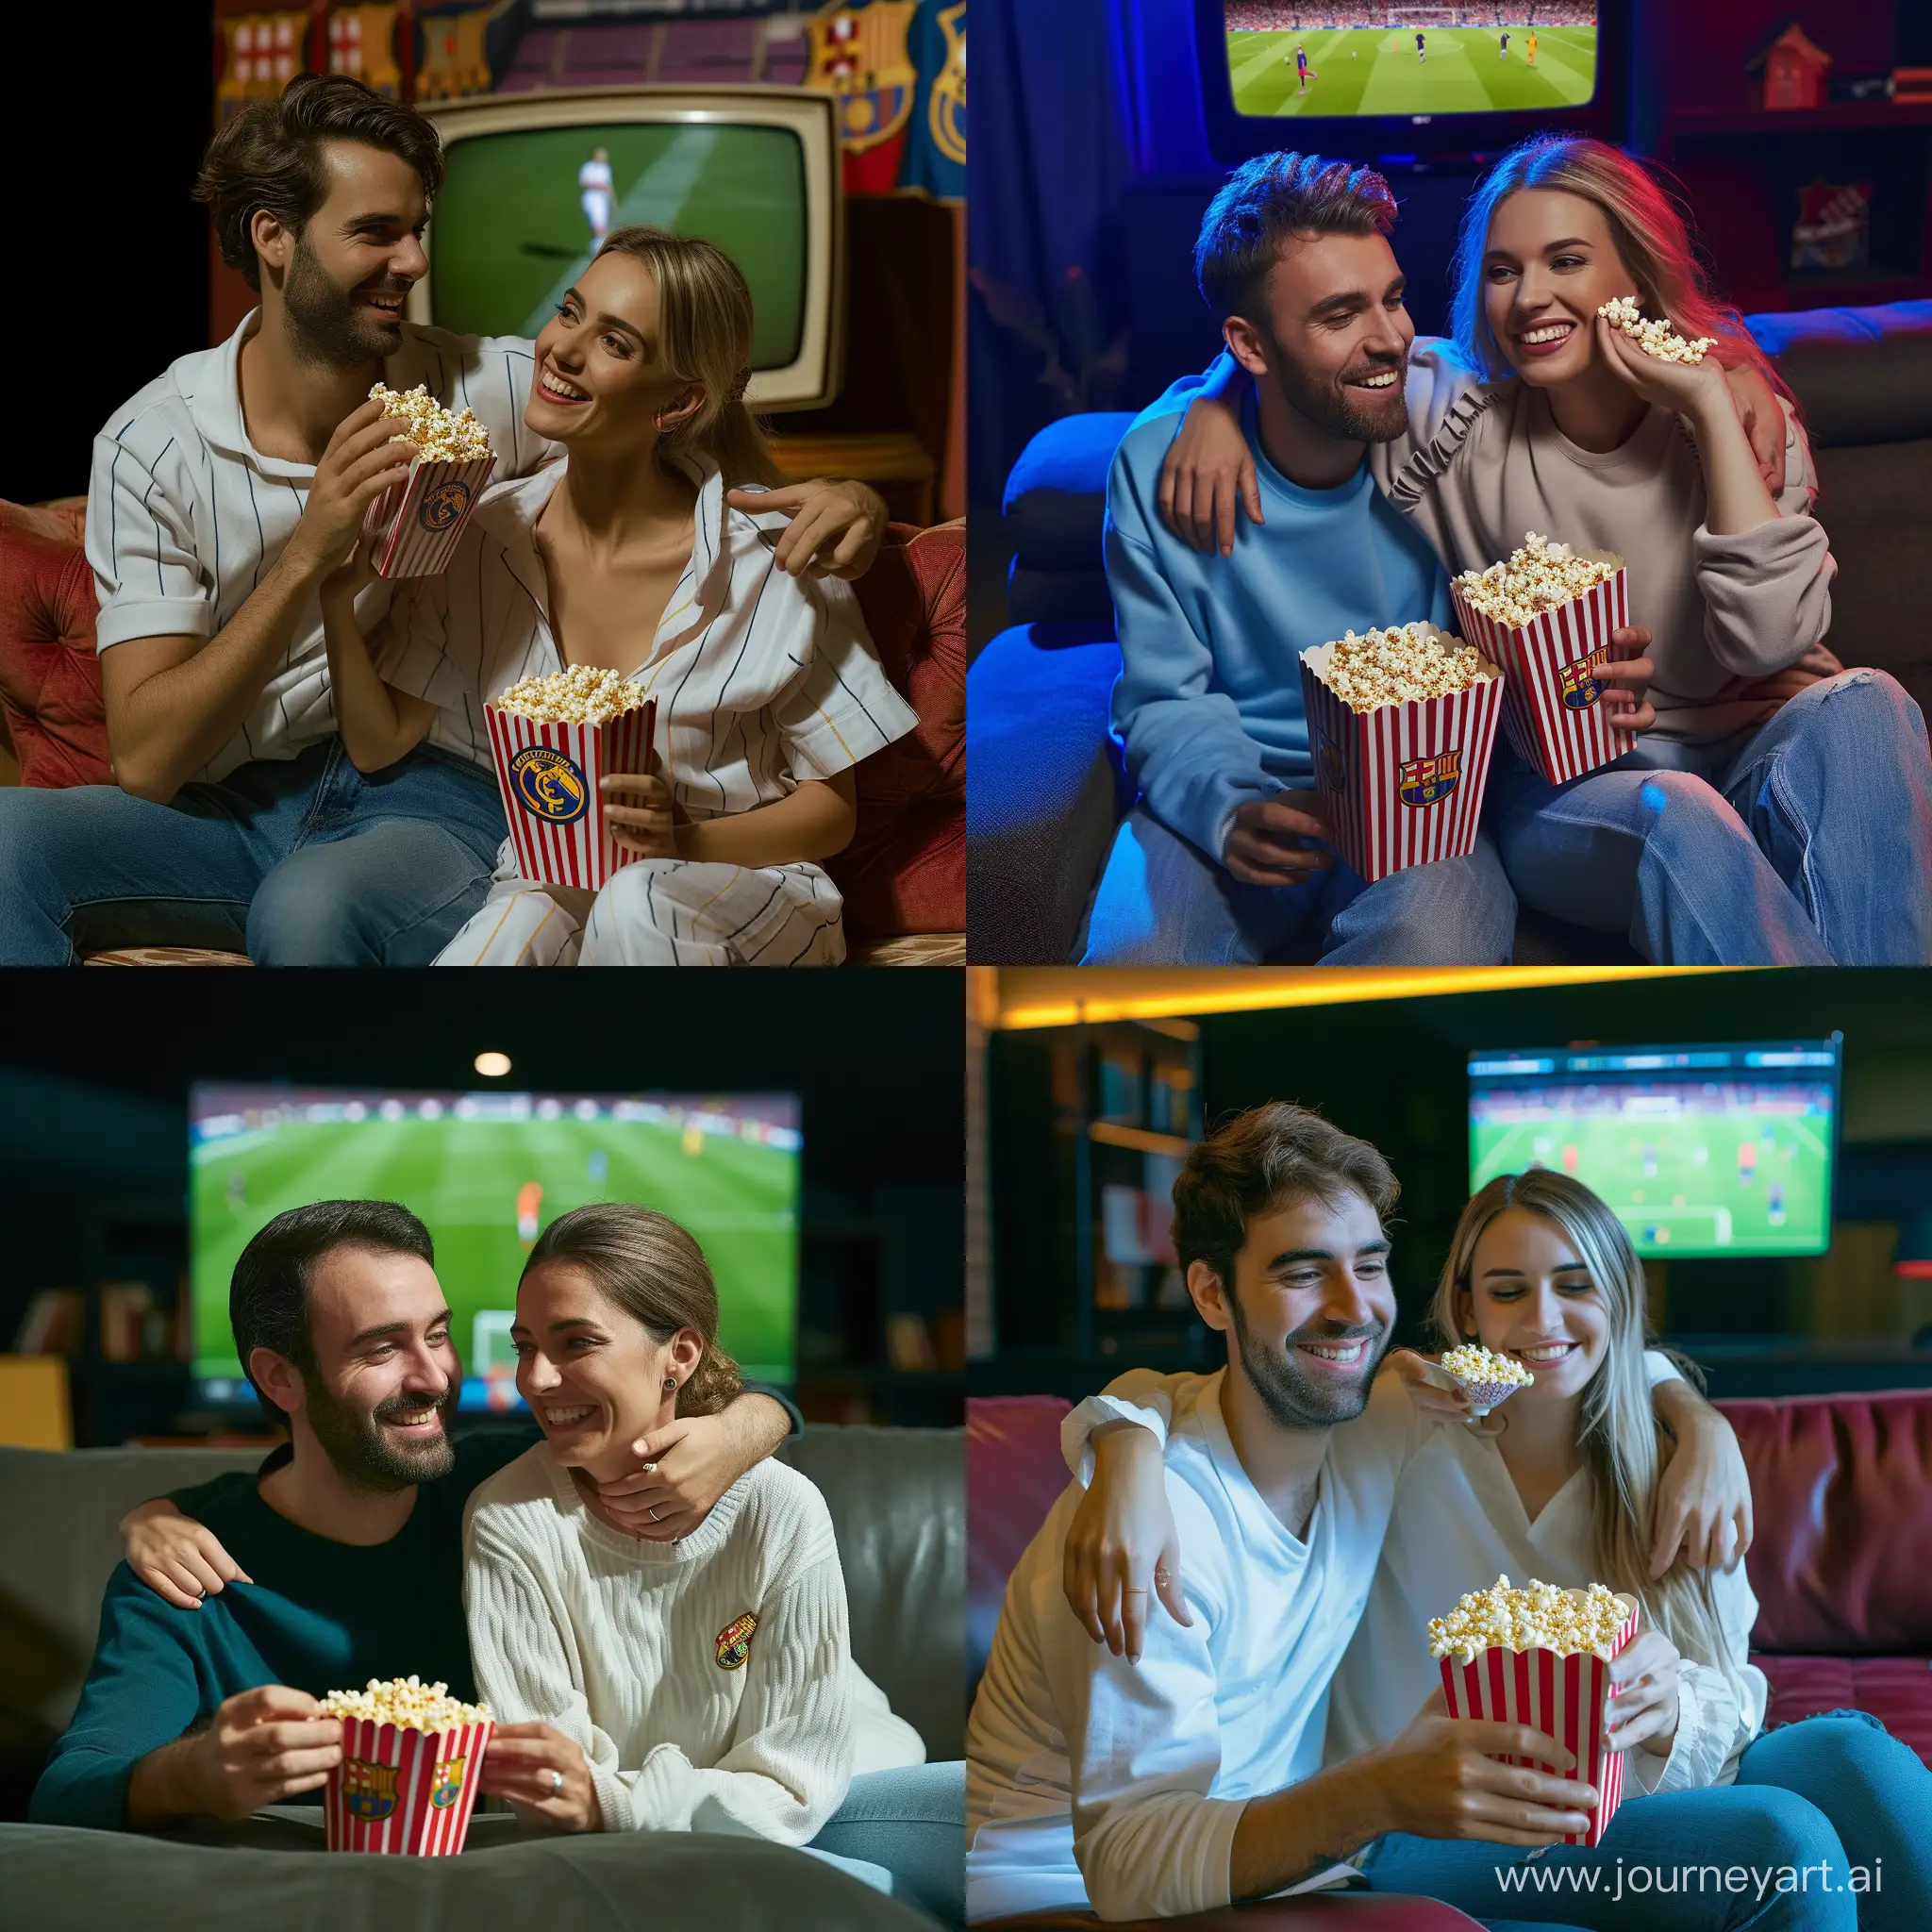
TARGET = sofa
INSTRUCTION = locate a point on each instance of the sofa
(1841, 1491)
(902, 876)
(898, 1510)
(1048, 784)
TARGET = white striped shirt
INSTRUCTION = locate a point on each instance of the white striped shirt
(185, 516)
(762, 680)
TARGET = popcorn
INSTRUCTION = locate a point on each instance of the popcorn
(407, 1703)
(439, 435)
(1538, 578)
(1474, 1364)
(584, 694)
(1544, 1617)
(1402, 665)
(1654, 336)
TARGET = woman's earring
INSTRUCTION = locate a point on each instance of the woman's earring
(669, 1383)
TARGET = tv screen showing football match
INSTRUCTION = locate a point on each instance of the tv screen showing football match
(1369, 57)
(1701, 1150)
(485, 1172)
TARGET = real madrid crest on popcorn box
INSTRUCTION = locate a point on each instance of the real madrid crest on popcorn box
(733, 1643)
(407, 1782)
(555, 739)
(1403, 721)
(417, 524)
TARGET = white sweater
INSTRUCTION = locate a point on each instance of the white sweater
(623, 1646)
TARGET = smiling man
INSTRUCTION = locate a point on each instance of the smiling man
(338, 1561)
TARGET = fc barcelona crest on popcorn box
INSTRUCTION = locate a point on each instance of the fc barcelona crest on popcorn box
(403, 1790)
(733, 1641)
(1425, 781)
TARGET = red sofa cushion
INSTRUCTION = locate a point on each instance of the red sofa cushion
(1349, 1911)
(1895, 1690)
(50, 679)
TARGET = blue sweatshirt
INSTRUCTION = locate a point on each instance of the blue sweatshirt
(1209, 706)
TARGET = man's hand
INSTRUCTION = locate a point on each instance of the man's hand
(1121, 1546)
(1764, 422)
(1703, 1498)
(836, 526)
(359, 463)
(1642, 1707)
(544, 1774)
(1627, 677)
(179, 1559)
(1267, 842)
(686, 1465)
(264, 1745)
(1208, 470)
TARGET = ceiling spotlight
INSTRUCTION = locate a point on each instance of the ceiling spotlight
(493, 1066)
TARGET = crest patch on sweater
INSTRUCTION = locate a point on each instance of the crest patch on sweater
(733, 1643)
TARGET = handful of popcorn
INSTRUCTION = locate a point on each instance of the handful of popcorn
(1546, 614)
(1402, 665)
(1541, 1656)
(417, 524)
(555, 739)
(1489, 1377)
(411, 1755)
(1654, 335)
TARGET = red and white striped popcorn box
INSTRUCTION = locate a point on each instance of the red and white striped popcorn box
(1401, 785)
(1562, 1697)
(418, 524)
(1553, 709)
(552, 775)
(404, 1790)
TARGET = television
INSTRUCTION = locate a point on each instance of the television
(1404, 84)
(755, 170)
(486, 1171)
(1708, 1150)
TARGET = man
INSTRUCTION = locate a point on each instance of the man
(221, 494)
(1219, 861)
(1192, 1778)
(338, 1561)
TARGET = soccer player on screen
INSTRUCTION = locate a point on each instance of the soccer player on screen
(1532, 47)
(595, 187)
(1301, 67)
(530, 1206)
(1421, 53)
(1503, 51)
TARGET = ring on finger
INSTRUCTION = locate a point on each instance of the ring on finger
(654, 1515)
(556, 1781)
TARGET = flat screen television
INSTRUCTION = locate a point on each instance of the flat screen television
(486, 1171)
(1394, 82)
(1701, 1150)
(755, 170)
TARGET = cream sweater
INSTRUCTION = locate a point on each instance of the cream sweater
(627, 1648)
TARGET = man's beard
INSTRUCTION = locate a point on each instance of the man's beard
(1293, 1398)
(327, 324)
(1329, 408)
(365, 1455)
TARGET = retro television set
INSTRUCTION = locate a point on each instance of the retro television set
(755, 170)
(1372, 98)
(485, 1172)
(1701, 1150)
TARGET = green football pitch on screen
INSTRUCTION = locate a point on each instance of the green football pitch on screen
(509, 234)
(472, 1183)
(1727, 1181)
(1376, 70)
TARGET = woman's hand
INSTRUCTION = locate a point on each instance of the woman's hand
(1627, 677)
(836, 526)
(179, 1559)
(1453, 1405)
(1268, 840)
(683, 1469)
(1642, 1707)
(354, 574)
(1209, 468)
(1685, 387)
(1122, 1543)
(544, 1774)
(649, 824)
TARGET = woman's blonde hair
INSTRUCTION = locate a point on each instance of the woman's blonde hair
(703, 336)
(1625, 1446)
(1651, 238)
(654, 1270)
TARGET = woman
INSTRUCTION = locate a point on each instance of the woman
(1557, 423)
(630, 555)
(1563, 1485)
(702, 1685)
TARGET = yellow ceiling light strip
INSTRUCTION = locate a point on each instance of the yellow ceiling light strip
(1066, 996)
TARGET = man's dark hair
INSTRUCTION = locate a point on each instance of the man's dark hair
(268, 1296)
(1260, 1161)
(1266, 201)
(269, 156)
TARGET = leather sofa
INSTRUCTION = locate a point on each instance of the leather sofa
(1841, 1492)
(902, 876)
(1048, 786)
(898, 1510)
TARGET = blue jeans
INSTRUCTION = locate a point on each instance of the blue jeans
(1162, 902)
(1822, 1796)
(912, 1822)
(1806, 841)
(306, 862)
